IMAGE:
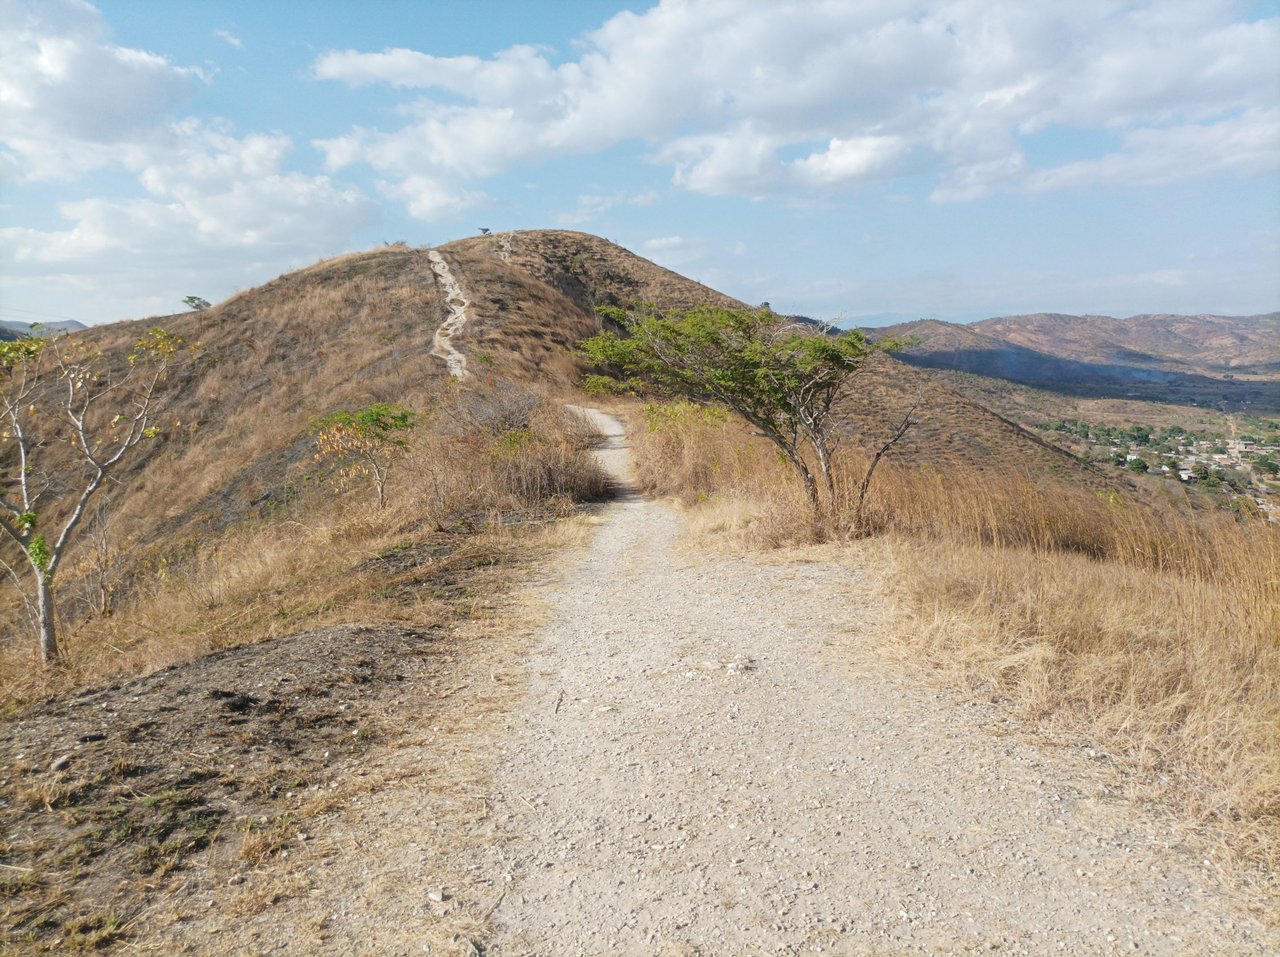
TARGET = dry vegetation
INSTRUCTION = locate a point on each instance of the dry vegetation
(111, 797)
(1155, 631)
(483, 463)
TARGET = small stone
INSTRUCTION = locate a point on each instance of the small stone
(61, 763)
(236, 879)
(436, 894)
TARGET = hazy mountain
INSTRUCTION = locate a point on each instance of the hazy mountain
(1197, 359)
(12, 329)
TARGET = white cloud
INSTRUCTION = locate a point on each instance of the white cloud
(756, 98)
(210, 207)
(215, 197)
(1247, 145)
(70, 100)
(591, 206)
(226, 36)
(675, 252)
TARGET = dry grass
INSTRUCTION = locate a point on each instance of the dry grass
(485, 466)
(1152, 628)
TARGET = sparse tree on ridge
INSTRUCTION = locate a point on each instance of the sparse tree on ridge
(196, 303)
(781, 376)
(60, 393)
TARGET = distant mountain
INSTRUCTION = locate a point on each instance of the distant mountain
(1215, 344)
(11, 329)
(1201, 359)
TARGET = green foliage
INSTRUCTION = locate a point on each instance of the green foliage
(18, 351)
(157, 345)
(755, 359)
(196, 303)
(1138, 465)
(780, 375)
(599, 386)
(382, 420)
(672, 416)
(38, 550)
(365, 441)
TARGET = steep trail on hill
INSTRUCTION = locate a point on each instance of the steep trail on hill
(442, 345)
(710, 760)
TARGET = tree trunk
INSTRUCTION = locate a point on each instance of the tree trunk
(828, 474)
(811, 492)
(49, 653)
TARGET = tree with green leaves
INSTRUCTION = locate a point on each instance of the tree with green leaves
(196, 303)
(782, 376)
(366, 442)
(71, 417)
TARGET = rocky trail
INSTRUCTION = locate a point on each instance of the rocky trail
(442, 343)
(710, 761)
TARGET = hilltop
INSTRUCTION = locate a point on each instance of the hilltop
(359, 328)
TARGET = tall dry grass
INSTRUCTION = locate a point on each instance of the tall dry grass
(1152, 628)
(482, 476)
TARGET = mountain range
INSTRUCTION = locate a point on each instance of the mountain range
(1198, 359)
(13, 329)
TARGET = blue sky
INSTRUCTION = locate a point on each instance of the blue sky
(855, 161)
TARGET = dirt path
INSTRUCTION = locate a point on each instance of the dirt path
(709, 761)
(651, 751)
(442, 344)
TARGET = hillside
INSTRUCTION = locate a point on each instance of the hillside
(359, 329)
(1196, 360)
(13, 329)
(350, 331)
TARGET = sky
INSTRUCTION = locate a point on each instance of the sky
(862, 161)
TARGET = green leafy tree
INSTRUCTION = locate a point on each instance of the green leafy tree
(1138, 465)
(61, 394)
(781, 376)
(196, 303)
(366, 442)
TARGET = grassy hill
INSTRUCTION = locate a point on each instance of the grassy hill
(1033, 575)
(358, 329)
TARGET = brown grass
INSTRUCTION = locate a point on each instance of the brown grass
(485, 465)
(1152, 628)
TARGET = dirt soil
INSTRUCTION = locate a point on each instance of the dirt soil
(649, 751)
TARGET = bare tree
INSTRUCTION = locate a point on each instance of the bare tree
(62, 397)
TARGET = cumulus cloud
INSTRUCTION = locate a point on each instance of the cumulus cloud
(209, 204)
(216, 196)
(760, 98)
(71, 100)
(591, 206)
(1247, 144)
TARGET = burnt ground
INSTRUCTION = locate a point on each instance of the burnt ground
(121, 801)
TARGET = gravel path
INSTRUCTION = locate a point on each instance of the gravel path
(442, 344)
(708, 761)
